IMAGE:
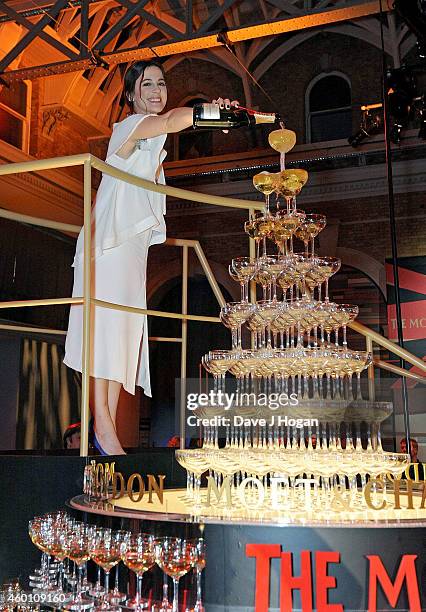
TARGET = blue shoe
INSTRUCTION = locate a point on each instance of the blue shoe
(98, 446)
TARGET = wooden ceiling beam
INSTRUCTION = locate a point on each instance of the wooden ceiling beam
(354, 10)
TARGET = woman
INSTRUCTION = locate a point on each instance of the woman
(126, 221)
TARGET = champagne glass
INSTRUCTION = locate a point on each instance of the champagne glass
(242, 269)
(175, 557)
(105, 551)
(138, 554)
(76, 547)
(258, 228)
(98, 590)
(345, 313)
(282, 141)
(309, 229)
(266, 183)
(35, 533)
(116, 597)
(285, 225)
(233, 315)
(199, 565)
(194, 461)
(329, 266)
(54, 541)
(290, 184)
(165, 605)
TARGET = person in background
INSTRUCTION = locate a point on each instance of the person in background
(414, 449)
(72, 436)
(415, 472)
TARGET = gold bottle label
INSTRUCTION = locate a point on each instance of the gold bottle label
(264, 118)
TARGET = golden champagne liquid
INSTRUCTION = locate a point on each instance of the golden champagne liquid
(326, 271)
(292, 181)
(266, 226)
(286, 280)
(176, 568)
(251, 228)
(78, 555)
(57, 551)
(341, 317)
(265, 182)
(285, 227)
(282, 140)
(139, 562)
(106, 559)
(263, 277)
(245, 273)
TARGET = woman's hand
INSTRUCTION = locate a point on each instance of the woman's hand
(227, 104)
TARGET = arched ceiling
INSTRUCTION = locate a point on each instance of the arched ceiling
(86, 45)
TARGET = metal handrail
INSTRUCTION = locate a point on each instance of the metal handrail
(89, 161)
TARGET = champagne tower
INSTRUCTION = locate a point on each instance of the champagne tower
(313, 435)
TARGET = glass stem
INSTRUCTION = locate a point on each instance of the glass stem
(234, 338)
(79, 583)
(175, 594)
(106, 588)
(198, 603)
(139, 589)
(165, 590)
(116, 578)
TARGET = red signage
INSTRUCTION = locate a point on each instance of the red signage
(314, 593)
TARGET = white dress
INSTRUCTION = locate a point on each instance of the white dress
(126, 221)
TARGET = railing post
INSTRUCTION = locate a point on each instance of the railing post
(370, 370)
(85, 380)
(183, 347)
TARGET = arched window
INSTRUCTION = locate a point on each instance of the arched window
(328, 108)
(194, 143)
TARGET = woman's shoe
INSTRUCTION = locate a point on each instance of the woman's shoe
(98, 446)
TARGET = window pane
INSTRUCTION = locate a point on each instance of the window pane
(10, 129)
(329, 92)
(332, 125)
(15, 97)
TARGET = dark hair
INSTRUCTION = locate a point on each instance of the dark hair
(70, 431)
(132, 75)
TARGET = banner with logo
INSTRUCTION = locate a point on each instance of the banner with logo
(412, 283)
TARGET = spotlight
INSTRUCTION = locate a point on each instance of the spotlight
(371, 123)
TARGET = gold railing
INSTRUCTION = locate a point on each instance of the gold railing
(88, 162)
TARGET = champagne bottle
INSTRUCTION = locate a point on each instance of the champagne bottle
(212, 116)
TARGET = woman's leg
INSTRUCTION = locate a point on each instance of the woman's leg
(114, 389)
(104, 426)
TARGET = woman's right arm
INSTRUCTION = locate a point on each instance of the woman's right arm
(155, 125)
(171, 122)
